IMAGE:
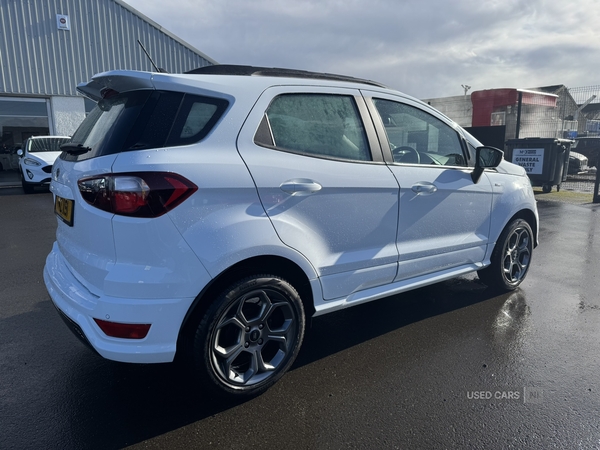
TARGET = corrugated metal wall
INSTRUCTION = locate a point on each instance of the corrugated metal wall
(38, 58)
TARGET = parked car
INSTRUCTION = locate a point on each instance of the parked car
(590, 148)
(9, 160)
(36, 159)
(209, 214)
(577, 163)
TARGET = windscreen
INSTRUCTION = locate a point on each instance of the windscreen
(49, 144)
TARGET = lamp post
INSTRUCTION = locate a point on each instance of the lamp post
(466, 87)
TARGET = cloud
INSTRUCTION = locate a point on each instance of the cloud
(424, 48)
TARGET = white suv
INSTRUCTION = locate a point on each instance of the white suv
(208, 214)
(36, 159)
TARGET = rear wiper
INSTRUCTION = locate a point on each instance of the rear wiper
(74, 149)
(138, 146)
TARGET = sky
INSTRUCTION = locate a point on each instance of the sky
(424, 48)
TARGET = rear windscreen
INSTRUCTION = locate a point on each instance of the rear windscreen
(146, 119)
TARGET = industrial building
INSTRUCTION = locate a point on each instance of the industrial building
(47, 47)
(497, 115)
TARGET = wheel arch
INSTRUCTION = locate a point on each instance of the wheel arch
(528, 216)
(271, 264)
(497, 275)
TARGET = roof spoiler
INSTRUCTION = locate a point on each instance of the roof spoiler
(115, 81)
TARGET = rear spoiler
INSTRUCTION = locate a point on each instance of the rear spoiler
(115, 81)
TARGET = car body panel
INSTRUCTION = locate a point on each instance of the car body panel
(87, 246)
(451, 223)
(223, 222)
(512, 195)
(332, 243)
(81, 306)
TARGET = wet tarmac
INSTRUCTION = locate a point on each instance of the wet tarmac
(448, 366)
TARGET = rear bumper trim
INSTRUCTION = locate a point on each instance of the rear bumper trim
(76, 329)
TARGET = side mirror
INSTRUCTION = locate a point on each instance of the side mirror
(486, 158)
(20, 152)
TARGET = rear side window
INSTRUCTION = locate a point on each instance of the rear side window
(315, 124)
(196, 117)
(146, 119)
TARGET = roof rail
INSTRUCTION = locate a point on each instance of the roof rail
(233, 69)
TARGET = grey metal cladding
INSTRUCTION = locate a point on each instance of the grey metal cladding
(38, 58)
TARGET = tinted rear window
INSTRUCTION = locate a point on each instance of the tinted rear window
(146, 119)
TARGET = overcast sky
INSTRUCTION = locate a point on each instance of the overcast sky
(425, 48)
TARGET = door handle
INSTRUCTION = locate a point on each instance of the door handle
(300, 187)
(424, 188)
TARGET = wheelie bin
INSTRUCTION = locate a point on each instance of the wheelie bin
(546, 160)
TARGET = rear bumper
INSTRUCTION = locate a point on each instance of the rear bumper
(78, 307)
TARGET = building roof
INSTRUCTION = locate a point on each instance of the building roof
(592, 107)
(549, 89)
(164, 30)
(54, 45)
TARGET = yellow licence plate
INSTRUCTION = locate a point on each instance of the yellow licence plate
(63, 208)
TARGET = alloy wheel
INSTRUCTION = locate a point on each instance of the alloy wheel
(253, 337)
(517, 254)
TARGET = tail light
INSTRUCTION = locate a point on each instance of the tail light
(139, 194)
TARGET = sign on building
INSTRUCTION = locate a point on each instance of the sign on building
(62, 22)
(531, 159)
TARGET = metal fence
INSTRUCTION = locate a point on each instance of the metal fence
(557, 112)
(582, 124)
(554, 112)
(586, 183)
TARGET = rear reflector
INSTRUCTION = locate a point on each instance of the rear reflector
(123, 330)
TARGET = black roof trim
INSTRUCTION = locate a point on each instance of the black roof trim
(232, 69)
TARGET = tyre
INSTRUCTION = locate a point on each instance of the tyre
(27, 188)
(249, 336)
(546, 188)
(511, 257)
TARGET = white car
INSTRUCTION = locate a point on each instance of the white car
(36, 159)
(209, 214)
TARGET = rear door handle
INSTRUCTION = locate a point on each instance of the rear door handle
(424, 188)
(299, 187)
